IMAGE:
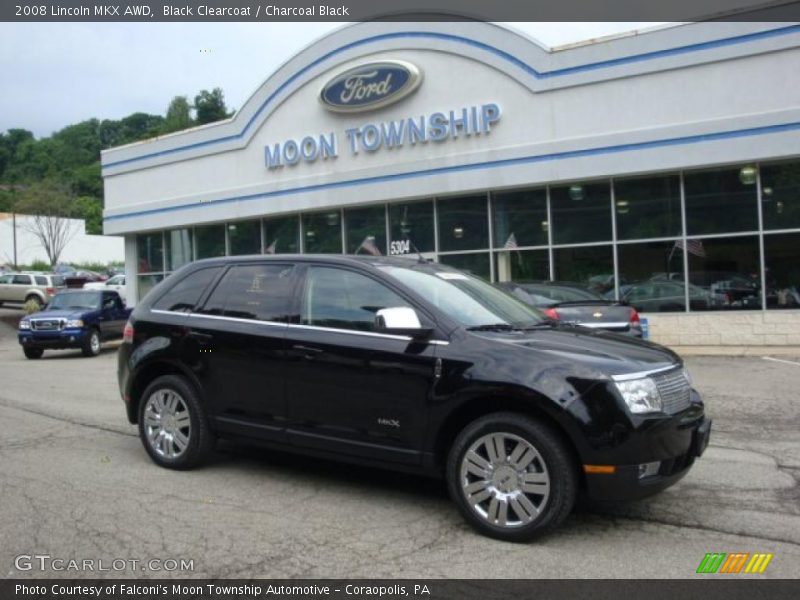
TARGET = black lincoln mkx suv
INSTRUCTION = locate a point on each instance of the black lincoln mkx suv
(408, 365)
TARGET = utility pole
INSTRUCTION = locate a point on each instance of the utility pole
(14, 229)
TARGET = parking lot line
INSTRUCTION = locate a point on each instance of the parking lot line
(780, 360)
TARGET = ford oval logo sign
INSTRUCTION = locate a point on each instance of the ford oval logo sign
(370, 86)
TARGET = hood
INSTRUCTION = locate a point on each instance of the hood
(597, 350)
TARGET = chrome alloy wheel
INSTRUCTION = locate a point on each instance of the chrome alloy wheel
(167, 424)
(504, 480)
(94, 342)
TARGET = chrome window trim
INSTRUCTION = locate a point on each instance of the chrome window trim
(643, 374)
(404, 338)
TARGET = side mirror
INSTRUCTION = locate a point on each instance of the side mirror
(401, 320)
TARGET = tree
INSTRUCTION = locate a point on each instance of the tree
(49, 204)
(90, 210)
(179, 115)
(210, 106)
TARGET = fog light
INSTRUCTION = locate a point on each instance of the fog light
(649, 469)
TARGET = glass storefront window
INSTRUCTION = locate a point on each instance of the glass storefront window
(780, 195)
(282, 235)
(728, 270)
(782, 264)
(463, 223)
(475, 263)
(651, 277)
(522, 265)
(150, 252)
(244, 237)
(365, 229)
(323, 232)
(147, 283)
(178, 248)
(581, 213)
(412, 222)
(721, 201)
(592, 266)
(520, 218)
(209, 241)
(647, 207)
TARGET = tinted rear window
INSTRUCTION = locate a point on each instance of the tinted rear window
(260, 292)
(58, 280)
(41, 280)
(184, 295)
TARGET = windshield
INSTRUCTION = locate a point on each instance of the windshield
(75, 300)
(562, 293)
(467, 299)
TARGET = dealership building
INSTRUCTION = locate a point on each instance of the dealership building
(661, 167)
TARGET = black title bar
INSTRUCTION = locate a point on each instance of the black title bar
(404, 10)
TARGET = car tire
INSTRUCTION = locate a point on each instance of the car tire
(512, 477)
(91, 345)
(173, 424)
(33, 353)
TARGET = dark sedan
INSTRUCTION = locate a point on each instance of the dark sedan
(574, 304)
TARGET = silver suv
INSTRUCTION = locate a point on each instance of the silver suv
(22, 287)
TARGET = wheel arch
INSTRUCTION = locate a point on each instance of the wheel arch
(480, 406)
(149, 373)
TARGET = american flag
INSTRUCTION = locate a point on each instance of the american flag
(271, 248)
(692, 247)
(368, 246)
(511, 242)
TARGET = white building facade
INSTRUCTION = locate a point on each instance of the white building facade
(661, 168)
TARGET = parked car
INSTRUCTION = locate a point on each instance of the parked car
(19, 288)
(413, 366)
(116, 283)
(574, 304)
(668, 296)
(74, 319)
(77, 279)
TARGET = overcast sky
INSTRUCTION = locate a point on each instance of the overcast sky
(56, 74)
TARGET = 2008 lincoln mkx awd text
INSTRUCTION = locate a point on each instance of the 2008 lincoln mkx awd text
(410, 365)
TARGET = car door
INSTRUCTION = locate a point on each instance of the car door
(6, 288)
(351, 389)
(241, 330)
(21, 284)
(117, 316)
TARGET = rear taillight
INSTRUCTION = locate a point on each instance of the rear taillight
(127, 333)
(49, 291)
(551, 313)
(634, 318)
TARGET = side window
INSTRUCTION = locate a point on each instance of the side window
(260, 292)
(184, 295)
(6, 279)
(344, 300)
(41, 280)
(22, 280)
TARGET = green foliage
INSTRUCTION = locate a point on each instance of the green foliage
(30, 307)
(90, 210)
(179, 115)
(210, 106)
(38, 265)
(67, 164)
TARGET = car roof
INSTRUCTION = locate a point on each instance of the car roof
(334, 259)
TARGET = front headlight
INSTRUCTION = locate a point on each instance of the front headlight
(74, 324)
(641, 395)
(24, 324)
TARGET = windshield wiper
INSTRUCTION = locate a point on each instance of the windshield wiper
(493, 327)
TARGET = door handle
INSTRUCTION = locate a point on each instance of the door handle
(308, 352)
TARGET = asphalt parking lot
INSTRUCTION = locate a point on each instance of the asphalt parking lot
(76, 484)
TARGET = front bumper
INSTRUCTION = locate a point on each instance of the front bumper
(625, 482)
(55, 340)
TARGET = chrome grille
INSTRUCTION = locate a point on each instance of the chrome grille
(674, 389)
(48, 324)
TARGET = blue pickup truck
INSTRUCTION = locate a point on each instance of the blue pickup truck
(74, 319)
